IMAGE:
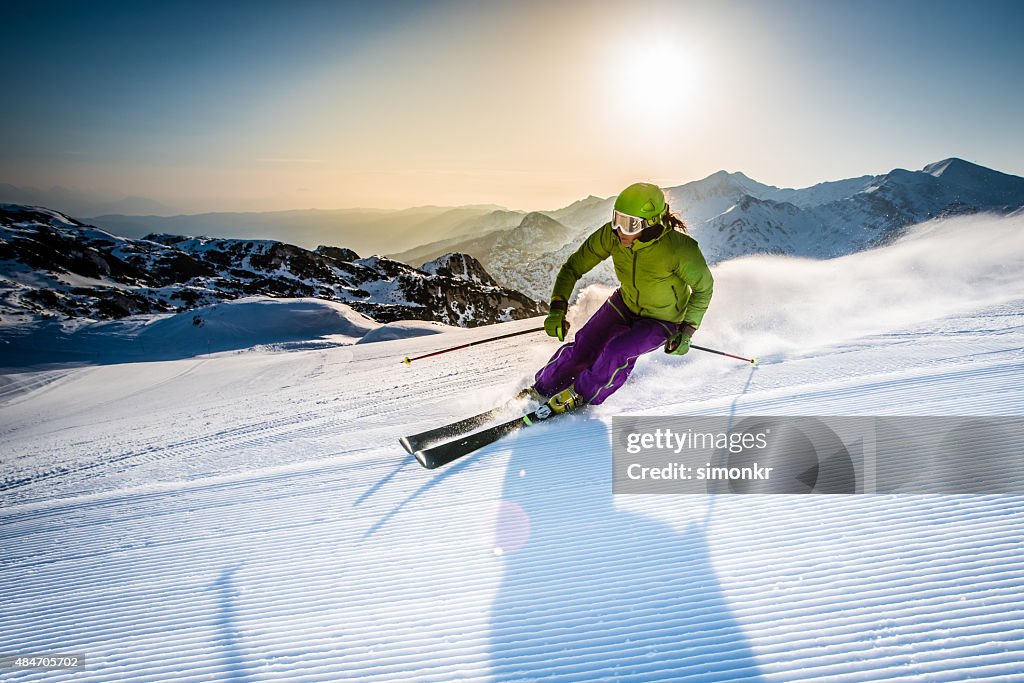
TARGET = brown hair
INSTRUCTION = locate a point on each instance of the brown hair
(673, 222)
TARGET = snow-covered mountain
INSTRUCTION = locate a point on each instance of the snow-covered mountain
(460, 265)
(51, 264)
(584, 213)
(519, 255)
(733, 215)
(484, 239)
(820, 225)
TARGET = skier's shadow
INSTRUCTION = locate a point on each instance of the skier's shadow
(594, 592)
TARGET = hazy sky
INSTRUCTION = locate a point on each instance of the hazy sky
(530, 105)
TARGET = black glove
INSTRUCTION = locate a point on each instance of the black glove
(679, 343)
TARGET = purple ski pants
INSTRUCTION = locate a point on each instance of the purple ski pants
(604, 352)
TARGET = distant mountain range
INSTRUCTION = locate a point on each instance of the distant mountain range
(732, 215)
(364, 230)
(53, 265)
(76, 202)
(838, 218)
(368, 231)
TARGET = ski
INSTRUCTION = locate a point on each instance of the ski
(444, 453)
(417, 442)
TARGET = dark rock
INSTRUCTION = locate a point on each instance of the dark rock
(176, 273)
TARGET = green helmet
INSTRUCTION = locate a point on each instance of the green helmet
(642, 200)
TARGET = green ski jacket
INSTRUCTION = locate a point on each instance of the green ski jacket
(665, 279)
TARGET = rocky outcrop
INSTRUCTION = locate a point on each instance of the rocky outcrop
(53, 265)
(461, 266)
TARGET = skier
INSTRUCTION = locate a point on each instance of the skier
(664, 290)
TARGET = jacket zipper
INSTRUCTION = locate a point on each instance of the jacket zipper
(635, 288)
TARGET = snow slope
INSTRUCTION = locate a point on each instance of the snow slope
(251, 517)
(225, 326)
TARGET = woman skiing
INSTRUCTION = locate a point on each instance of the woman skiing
(664, 290)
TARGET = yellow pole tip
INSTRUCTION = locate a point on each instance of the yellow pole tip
(407, 361)
(753, 361)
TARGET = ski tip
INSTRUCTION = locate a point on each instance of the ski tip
(421, 459)
(407, 361)
(406, 445)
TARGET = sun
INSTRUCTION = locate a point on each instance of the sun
(651, 81)
(658, 67)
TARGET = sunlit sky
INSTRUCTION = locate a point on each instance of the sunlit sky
(529, 105)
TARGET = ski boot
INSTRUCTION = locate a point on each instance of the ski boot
(564, 401)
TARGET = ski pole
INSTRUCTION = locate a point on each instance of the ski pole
(408, 360)
(752, 361)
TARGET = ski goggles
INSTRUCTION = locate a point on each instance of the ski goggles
(628, 225)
